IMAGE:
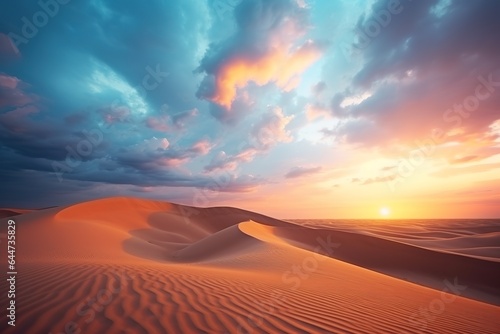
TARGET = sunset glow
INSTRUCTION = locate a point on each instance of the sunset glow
(290, 108)
(250, 166)
(279, 66)
(385, 211)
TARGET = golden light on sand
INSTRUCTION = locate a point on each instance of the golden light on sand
(385, 211)
(244, 257)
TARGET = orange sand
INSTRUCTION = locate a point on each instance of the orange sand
(123, 265)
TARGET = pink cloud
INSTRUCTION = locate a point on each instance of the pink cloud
(202, 147)
(8, 81)
(7, 47)
(12, 93)
(157, 123)
(115, 114)
(18, 120)
(315, 110)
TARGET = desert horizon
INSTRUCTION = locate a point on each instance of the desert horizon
(132, 265)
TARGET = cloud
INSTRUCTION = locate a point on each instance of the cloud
(371, 180)
(454, 171)
(316, 110)
(461, 160)
(21, 129)
(319, 88)
(409, 84)
(18, 120)
(222, 161)
(8, 50)
(13, 92)
(267, 48)
(112, 82)
(387, 168)
(266, 133)
(238, 98)
(173, 121)
(235, 184)
(297, 172)
(379, 179)
(241, 106)
(202, 147)
(158, 154)
(115, 114)
(159, 124)
(181, 118)
(271, 129)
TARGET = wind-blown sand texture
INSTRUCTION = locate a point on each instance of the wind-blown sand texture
(124, 265)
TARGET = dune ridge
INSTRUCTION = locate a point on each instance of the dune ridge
(8, 212)
(143, 266)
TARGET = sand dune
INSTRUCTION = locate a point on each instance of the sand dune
(4, 213)
(479, 238)
(416, 264)
(124, 265)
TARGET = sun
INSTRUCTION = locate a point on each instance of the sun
(385, 211)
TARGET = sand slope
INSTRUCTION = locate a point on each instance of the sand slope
(125, 265)
(4, 213)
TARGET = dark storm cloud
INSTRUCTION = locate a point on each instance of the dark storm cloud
(13, 94)
(105, 70)
(420, 38)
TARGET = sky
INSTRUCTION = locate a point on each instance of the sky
(291, 108)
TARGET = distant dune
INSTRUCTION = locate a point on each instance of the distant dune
(4, 213)
(124, 265)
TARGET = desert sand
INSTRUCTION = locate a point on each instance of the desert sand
(125, 265)
(12, 212)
